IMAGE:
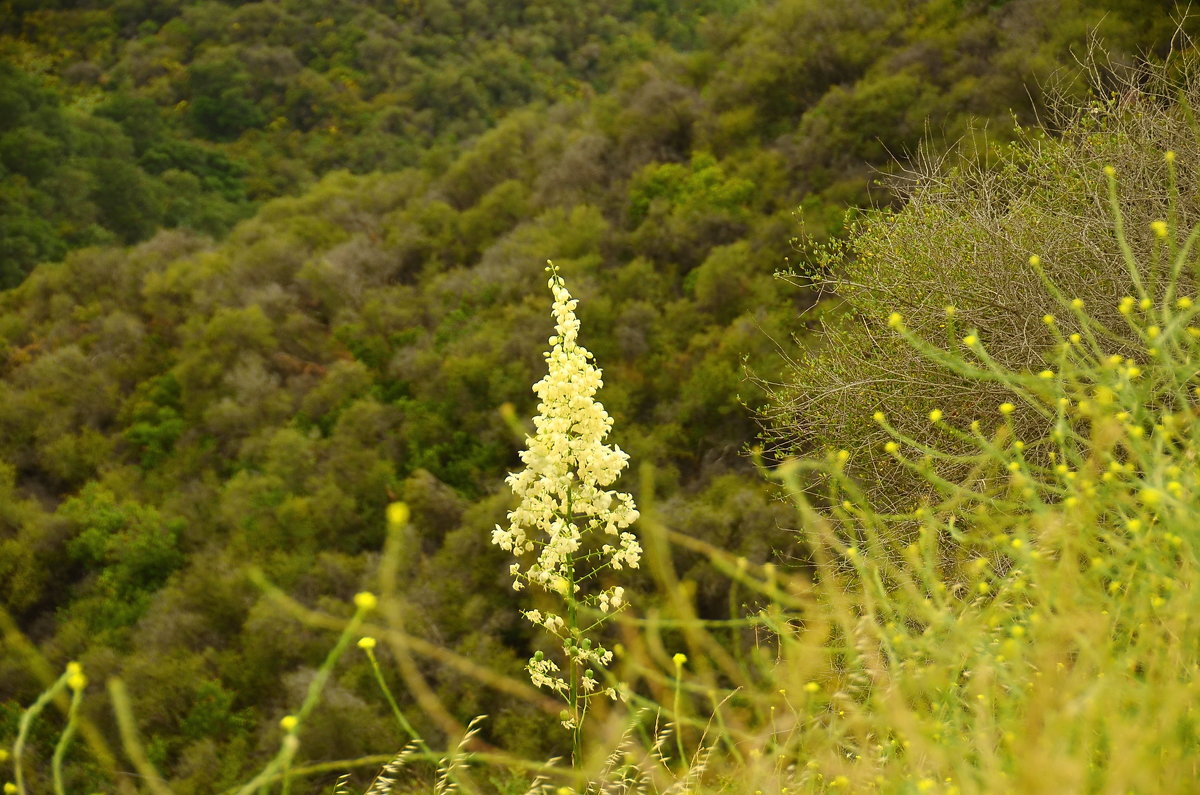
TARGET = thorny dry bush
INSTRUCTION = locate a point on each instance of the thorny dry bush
(963, 240)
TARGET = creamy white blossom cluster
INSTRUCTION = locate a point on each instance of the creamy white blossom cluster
(543, 672)
(567, 467)
(568, 526)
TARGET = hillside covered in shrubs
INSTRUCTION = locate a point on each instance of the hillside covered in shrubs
(273, 267)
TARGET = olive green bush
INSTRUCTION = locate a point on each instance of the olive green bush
(957, 256)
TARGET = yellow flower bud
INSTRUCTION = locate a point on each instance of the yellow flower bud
(1035, 261)
(1109, 171)
(1184, 303)
(366, 643)
(1159, 228)
(288, 723)
(679, 659)
(935, 415)
(397, 514)
(365, 600)
(1077, 303)
(970, 340)
(1007, 408)
(895, 320)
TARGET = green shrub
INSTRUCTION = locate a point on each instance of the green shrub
(129, 548)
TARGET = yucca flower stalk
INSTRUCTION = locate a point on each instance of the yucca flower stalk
(569, 530)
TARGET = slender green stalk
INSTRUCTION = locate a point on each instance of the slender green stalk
(129, 738)
(60, 749)
(573, 630)
(26, 722)
(1118, 219)
(391, 699)
(679, 660)
(364, 603)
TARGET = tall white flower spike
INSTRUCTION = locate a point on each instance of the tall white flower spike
(569, 527)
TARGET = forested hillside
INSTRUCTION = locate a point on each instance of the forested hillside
(272, 266)
(119, 120)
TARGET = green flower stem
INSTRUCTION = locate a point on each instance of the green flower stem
(1119, 232)
(573, 627)
(391, 700)
(289, 746)
(60, 749)
(27, 719)
(677, 708)
(129, 738)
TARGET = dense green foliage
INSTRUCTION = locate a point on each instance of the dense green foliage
(114, 175)
(117, 120)
(228, 393)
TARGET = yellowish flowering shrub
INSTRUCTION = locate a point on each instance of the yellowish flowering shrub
(1030, 625)
(963, 240)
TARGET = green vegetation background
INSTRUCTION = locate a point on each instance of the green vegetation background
(273, 265)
